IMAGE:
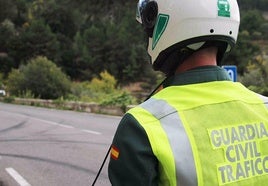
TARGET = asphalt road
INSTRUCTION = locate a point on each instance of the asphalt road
(46, 147)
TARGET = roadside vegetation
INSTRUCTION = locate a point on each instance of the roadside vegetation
(90, 51)
(42, 79)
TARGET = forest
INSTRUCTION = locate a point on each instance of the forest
(100, 48)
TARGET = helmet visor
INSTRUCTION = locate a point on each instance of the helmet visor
(140, 7)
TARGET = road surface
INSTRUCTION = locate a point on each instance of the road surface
(46, 147)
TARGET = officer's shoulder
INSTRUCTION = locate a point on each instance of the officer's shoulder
(141, 109)
(264, 98)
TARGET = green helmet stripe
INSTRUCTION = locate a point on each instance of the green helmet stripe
(160, 27)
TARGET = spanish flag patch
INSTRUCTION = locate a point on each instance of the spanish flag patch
(114, 153)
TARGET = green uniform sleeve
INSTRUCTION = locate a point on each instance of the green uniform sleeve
(134, 162)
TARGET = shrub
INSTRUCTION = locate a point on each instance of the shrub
(41, 77)
(15, 82)
(256, 76)
(122, 99)
(97, 89)
(102, 90)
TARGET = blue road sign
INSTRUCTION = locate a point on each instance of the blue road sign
(232, 71)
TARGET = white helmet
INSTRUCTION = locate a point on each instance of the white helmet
(177, 28)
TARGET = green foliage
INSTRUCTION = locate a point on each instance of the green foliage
(15, 82)
(113, 45)
(2, 86)
(9, 99)
(243, 52)
(251, 29)
(85, 38)
(256, 77)
(253, 4)
(126, 56)
(60, 20)
(6, 64)
(264, 30)
(97, 89)
(122, 99)
(102, 90)
(39, 78)
(105, 84)
(66, 55)
(35, 40)
(7, 31)
(251, 21)
(7, 10)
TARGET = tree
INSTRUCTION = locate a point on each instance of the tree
(256, 75)
(7, 10)
(264, 30)
(243, 52)
(33, 41)
(253, 4)
(41, 77)
(263, 5)
(66, 55)
(60, 20)
(6, 64)
(22, 12)
(251, 21)
(120, 48)
(89, 52)
(85, 38)
(93, 49)
(15, 83)
(7, 32)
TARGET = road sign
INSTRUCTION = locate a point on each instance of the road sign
(232, 71)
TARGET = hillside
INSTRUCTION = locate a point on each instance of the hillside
(86, 38)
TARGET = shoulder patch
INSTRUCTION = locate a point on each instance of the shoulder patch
(114, 153)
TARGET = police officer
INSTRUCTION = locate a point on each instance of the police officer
(201, 128)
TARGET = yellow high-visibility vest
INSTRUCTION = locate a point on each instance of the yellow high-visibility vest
(207, 134)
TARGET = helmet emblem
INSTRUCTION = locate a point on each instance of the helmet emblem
(160, 27)
(224, 8)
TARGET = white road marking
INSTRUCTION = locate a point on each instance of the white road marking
(52, 123)
(58, 124)
(92, 132)
(67, 126)
(17, 177)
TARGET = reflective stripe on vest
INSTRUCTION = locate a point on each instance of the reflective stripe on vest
(218, 129)
(160, 145)
(265, 99)
(178, 139)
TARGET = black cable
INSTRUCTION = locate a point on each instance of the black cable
(155, 90)
(106, 156)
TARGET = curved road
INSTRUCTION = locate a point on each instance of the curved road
(46, 147)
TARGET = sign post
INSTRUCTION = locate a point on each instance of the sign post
(232, 71)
